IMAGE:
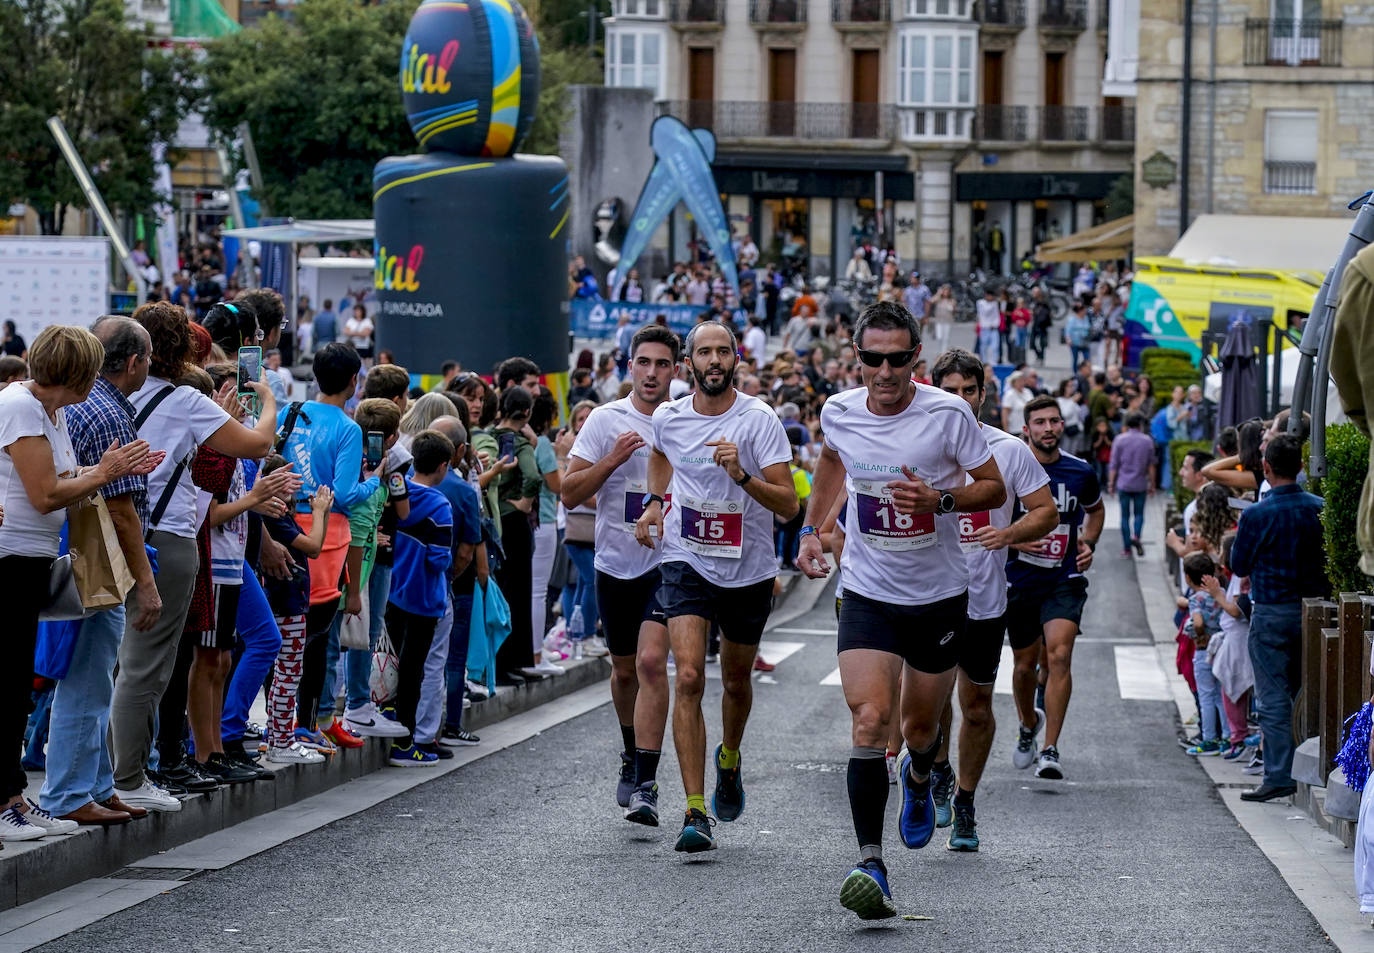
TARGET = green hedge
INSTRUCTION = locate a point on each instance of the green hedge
(1150, 354)
(1347, 465)
(1177, 451)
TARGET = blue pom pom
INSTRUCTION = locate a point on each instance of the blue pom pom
(1354, 755)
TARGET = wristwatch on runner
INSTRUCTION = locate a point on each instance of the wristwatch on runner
(744, 479)
(1090, 543)
(651, 498)
(947, 502)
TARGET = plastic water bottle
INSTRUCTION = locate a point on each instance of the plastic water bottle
(577, 631)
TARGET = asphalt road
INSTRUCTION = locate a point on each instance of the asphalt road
(525, 850)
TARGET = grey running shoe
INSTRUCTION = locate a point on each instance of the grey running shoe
(643, 806)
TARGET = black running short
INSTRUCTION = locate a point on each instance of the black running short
(226, 619)
(740, 612)
(1029, 608)
(929, 637)
(625, 605)
(980, 653)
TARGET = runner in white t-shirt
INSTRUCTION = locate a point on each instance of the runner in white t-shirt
(728, 460)
(902, 452)
(609, 463)
(984, 538)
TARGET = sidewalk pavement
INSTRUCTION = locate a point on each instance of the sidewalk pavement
(1316, 865)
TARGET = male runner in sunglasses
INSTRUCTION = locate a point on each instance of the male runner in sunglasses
(903, 454)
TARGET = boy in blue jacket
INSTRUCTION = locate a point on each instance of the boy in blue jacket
(419, 578)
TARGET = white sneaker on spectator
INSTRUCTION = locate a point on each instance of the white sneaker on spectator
(149, 795)
(595, 647)
(53, 825)
(467, 703)
(16, 827)
(477, 690)
(544, 667)
(294, 754)
(366, 721)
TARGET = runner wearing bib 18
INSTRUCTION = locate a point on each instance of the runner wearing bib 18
(903, 454)
(1048, 589)
(726, 457)
(609, 467)
(984, 538)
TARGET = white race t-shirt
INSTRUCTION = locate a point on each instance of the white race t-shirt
(25, 531)
(890, 556)
(987, 569)
(713, 525)
(184, 420)
(620, 501)
(756, 342)
(1014, 401)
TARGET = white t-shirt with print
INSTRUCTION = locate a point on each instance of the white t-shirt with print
(25, 531)
(229, 540)
(987, 569)
(890, 556)
(184, 420)
(713, 525)
(620, 501)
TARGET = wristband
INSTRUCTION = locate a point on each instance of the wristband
(806, 531)
(1091, 544)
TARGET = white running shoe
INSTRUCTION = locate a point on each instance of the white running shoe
(477, 690)
(542, 668)
(294, 754)
(53, 825)
(149, 795)
(1028, 743)
(16, 827)
(369, 723)
(595, 647)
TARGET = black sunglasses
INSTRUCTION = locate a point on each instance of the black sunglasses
(893, 358)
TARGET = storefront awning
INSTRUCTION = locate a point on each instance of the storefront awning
(1263, 241)
(1106, 241)
(309, 230)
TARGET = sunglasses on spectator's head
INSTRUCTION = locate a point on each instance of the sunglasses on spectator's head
(893, 358)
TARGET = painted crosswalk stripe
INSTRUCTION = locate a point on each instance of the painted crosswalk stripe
(833, 678)
(1003, 684)
(1138, 674)
(775, 652)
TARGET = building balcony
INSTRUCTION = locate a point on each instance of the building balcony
(1063, 16)
(697, 14)
(1002, 124)
(860, 15)
(1293, 42)
(811, 122)
(935, 9)
(1064, 124)
(777, 14)
(1290, 178)
(1002, 15)
(935, 124)
(1116, 124)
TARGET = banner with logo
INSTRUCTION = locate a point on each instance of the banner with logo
(592, 318)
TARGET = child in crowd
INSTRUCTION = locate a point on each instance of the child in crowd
(419, 582)
(1204, 616)
(1230, 650)
(290, 600)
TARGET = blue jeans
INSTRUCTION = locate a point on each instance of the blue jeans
(1078, 356)
(261, 642)
(1208, 697)
(456, 668)
(1129, 500)
(988, 341)
(36, 731)
(79, 771)
(584, 593)
(359, 662)
(1275, 638)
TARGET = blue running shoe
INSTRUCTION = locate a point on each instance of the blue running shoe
(916, 817)
(865, 892)
(696, 834)
(942, 789)
(728, 801)
(411, 756)
(964, 837)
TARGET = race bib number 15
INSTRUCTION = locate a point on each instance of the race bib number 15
(713, 527)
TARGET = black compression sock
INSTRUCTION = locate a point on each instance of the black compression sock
(943, 767)
(646, 765)
(868, 794)
(923, 761)
(963, 798)
(627, 734)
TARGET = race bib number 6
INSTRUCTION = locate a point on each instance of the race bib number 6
(969, 525)
(713, 527)
(882, 526)
(1056, 545)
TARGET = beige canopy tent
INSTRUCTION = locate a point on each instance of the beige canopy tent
(1264, 241)
(1101, 242)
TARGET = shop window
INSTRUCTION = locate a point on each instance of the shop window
(633, 60)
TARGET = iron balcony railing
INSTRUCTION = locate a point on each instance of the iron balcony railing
(1116, 124)
(704, 12)
(860, 11)
(812, 121)
(1291, 178)
(1002, 13)
(765, 12)
(1063, 123)
(1064, 14)
(1002, 124)
(1293, 42)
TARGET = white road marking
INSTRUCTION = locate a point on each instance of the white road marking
(1138, 674)
(774, 652)
(833, 678)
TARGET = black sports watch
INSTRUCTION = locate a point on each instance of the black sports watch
(651, 498)
(744, 479)
(946, 502)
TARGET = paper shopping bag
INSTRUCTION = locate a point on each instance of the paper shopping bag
(102, 574)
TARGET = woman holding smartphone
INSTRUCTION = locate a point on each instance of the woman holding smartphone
(517, 494)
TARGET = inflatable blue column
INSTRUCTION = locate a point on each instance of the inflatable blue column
(470, 242)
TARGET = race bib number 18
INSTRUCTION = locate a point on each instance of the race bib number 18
(713, 527)
(883, 527)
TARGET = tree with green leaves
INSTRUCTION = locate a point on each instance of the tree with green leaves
(321, 97)
(116, 92)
